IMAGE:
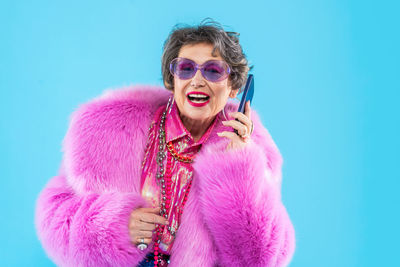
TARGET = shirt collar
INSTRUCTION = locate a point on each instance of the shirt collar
(176, 130)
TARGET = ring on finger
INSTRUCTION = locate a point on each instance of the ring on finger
(141, 240)
(245, 137)
(245, 132)
(142, 245)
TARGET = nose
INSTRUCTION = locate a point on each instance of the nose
(198, 79)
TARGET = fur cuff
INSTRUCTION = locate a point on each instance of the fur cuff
(86, 230)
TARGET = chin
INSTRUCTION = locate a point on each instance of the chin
(197, 115)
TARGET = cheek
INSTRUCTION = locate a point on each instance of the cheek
(224, 91)
(179, 86)
(222, 96)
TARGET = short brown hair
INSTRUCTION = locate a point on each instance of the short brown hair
(208, 31)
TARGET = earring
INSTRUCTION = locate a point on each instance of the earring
(234, 96)
(223, 113)
(170, 103)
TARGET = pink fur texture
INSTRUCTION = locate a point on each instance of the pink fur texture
(234, 215)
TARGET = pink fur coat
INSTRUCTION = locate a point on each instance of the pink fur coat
(234, 215)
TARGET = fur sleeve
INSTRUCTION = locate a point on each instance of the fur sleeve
(242, 205)
(82, 214)
(86, 230)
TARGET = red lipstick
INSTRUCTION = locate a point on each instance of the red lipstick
(197, 104)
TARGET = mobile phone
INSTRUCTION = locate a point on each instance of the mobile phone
(248, 93)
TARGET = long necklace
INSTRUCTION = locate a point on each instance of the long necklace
(165, 180)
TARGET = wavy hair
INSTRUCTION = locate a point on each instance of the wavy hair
(208, 31)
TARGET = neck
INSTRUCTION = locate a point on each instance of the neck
(195, 127)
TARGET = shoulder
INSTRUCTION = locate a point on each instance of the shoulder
(116, 105)
(117, 109)
(107, 129)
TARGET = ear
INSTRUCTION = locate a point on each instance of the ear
(233, 93)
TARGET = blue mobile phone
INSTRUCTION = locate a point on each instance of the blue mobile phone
(248, 93)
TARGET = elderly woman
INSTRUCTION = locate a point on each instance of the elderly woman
(156, 177)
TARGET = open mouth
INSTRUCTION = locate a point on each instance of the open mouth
(198, 97)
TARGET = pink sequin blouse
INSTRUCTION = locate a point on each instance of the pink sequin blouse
(182, 172)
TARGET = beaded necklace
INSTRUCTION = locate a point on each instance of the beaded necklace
(165, 180)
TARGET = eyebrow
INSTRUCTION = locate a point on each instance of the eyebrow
(204, 61)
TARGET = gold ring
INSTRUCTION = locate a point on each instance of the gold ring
(245, 133)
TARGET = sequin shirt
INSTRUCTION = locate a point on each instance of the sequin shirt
(182, 173)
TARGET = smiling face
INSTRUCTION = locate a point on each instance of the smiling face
(218, 92)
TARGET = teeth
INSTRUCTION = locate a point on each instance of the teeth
(197, 95)
(199, 100)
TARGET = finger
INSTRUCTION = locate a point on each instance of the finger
(241, 117)
(136, 224)
(144, 234)
(247, 111)
(145, 240)
(135, 214)
(153, 218)
(248, 115)
(140, 234)
(138, 240)
(240, 127)
(149, 210)
(230, 135)
(145, 226)
(154, 210)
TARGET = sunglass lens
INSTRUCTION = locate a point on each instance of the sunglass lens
(185, 69)
(214, 71)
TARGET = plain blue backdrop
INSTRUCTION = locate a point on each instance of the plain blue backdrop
(327, 87)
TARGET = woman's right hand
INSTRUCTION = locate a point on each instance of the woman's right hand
(142, 223)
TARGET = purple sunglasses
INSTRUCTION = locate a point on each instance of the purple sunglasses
(212, 70)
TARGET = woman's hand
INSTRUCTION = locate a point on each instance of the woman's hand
(142, 223)
(243, 126)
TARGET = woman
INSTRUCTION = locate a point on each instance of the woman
(152, 177)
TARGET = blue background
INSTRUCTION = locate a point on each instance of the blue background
(327, 87)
